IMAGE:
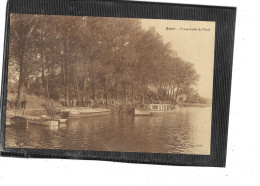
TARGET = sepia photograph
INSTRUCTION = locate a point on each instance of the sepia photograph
(110, 84)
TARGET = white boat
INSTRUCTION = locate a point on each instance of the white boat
(153, 109)
(87, 112)
(142, 112)
(43, 120)
(160, 108)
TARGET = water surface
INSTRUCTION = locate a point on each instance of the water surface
(185, 131)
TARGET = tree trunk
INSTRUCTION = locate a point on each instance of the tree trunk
(66, 71)
(84, 90)
(21, 85)
(26, 77)
(116, 90)
(158, 91)
(176, 95)
(66, 94)
(105, 91)
(52, 69)
(125, 93)
(132, 93)
(66, 91)
(172, 97)
(77, 91)
(43, 76)
(93, 89)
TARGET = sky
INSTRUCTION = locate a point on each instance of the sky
(194, 42)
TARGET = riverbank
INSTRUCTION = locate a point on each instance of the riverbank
(196, 105)
(35, 106)
(32, 101)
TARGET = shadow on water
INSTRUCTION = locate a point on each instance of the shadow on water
(187, 130)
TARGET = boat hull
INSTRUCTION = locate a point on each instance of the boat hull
(42, 122)
(140, 112)
(155, 112)
(154, 109)
(88, 112)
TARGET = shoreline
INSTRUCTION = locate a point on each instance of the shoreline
(196, 105)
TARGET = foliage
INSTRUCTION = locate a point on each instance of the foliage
(94, 58)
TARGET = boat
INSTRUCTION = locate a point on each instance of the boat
(87, 112)
(153, 109)
(142, 112)
(161, 108)
(18, 122)
(41, 120)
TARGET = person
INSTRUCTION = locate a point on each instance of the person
(16, 104)
(74, 102)
(12, 103)
(23, 103)
(52, 110)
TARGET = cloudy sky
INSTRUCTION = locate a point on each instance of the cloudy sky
(191, 44)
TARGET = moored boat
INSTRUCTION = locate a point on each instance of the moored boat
(142, 112)
(34, 120)
(43, 122)
(87, 112)
(153, 109)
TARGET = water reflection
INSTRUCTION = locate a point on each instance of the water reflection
(187, 130)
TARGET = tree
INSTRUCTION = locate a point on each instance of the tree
(98, 58)
(21, 30)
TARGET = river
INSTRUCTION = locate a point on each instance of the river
(184, 131)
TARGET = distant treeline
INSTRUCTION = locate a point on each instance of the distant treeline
(93, 58)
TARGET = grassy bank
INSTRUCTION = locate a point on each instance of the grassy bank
(35, 106)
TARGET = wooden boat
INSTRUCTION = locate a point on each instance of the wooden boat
(87, 112)
(41, 120)
(153, 109)
(142, 112)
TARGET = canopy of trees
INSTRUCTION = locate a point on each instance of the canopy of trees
(94, 58)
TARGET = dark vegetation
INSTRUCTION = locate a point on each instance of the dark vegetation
(91, 59)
